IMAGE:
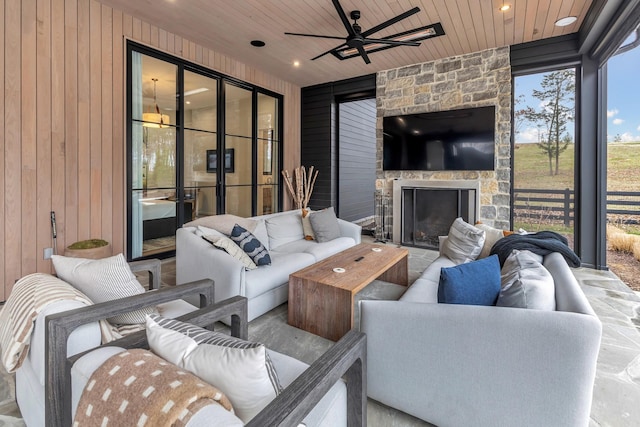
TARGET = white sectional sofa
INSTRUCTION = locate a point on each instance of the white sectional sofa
(463, 365)
(266, 287)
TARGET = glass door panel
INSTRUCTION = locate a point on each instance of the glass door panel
(200, 174)
(544, 152)
(200, 146)
(153, 156)
(238, 153)
(268, 156)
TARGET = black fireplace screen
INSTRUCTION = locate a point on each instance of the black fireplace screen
(428, 213)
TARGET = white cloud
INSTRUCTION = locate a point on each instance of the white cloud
(629, 137)
(611, 113)
(618, 121)
(638, 128)
(527, 135)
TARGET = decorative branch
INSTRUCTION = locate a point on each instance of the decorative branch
(300, 185)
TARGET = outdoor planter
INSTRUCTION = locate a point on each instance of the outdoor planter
(92, 249)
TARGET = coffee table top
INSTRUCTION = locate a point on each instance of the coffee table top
(357, 274)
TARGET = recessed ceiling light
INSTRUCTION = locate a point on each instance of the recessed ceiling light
(194, 91)
(296, 63)
(257, 43)
(505, 7)
(567, 20)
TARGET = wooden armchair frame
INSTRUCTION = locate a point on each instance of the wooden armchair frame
(347, 358)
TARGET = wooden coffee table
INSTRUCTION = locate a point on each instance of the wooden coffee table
(321, 300)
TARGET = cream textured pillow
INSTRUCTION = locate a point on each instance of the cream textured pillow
(223, 242)
(240, 369)
(103, 280)
(492, 235)
(306, 224)
(525, 283)
(464, 242)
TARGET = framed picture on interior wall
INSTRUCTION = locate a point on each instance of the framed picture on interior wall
(229, 160)
(267, 157)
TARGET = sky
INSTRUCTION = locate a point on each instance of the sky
(623, 104)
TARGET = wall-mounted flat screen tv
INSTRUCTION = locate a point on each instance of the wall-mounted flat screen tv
(444, 140)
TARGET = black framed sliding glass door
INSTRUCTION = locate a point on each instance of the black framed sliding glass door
(198, 144)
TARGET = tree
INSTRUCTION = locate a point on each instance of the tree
(556, 110)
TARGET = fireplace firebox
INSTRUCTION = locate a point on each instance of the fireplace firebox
(426, 210)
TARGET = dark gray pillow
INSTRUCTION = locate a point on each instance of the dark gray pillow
(325, 225)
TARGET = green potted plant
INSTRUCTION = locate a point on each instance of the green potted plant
(91, 248)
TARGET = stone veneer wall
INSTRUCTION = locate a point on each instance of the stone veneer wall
(472, 80)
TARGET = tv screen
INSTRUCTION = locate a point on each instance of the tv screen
(444, 140)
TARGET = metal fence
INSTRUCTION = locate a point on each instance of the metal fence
(558, 205)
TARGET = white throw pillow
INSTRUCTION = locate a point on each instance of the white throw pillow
(240, 369)
(223, 242)
(283, 229)
(464, 242)
(103, 280)
(525, 283)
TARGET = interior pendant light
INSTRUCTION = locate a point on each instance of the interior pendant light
(155, 120)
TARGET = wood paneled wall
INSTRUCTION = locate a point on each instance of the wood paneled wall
(62, 72)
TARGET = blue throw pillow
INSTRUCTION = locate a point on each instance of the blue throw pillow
(476, 283)
(250, 245)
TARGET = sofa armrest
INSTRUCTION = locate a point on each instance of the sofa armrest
(197, 259)
(153, 267)
(449, 364)
(60, 325)
(346, 358)
(349, 229)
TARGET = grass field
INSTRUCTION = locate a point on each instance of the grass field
(531, 170)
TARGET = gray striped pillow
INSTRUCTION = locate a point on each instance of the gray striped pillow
(240, 369)
(103, 280)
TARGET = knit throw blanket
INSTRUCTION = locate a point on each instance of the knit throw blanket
(28, 297)
(541, 243)
(138, 388)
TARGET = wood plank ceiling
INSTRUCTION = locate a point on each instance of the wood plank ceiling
(470, 25)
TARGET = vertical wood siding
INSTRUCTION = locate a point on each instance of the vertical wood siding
(62, 136)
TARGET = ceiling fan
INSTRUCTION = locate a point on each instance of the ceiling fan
(358, 43)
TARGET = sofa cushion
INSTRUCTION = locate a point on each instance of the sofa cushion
(223, 242)
(240, 369)
(475, 283)
(526, 283)
(223, 223)
(464, 242)
(250, 245)
(306, 224)
(283, 229)
(103, 280)
(261, 233)
(269, 277)
(425, 289)
(320, 251)
(325, 225)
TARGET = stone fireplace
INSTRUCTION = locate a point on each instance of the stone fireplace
(424, 210)
(474, 80)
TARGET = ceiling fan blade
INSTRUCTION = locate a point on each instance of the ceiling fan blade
(329, 51)
(364, 55)
(315, 35)
(391, 21)
(391, 42)
(343, 18)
